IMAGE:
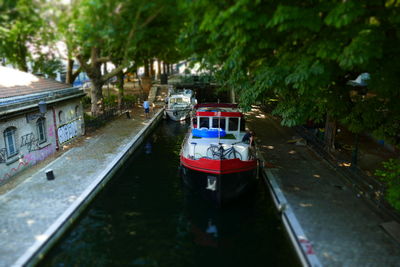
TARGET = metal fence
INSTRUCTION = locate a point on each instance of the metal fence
(108, 114)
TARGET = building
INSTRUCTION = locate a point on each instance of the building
(37, 116)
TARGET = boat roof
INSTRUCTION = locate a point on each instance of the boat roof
(216, 105)
(218, 114)
(179, 95)
(217, 110)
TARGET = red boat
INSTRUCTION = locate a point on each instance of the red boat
(216, 160)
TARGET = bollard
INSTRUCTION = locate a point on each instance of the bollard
(50, 174)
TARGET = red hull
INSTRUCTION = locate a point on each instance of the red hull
(219, 167)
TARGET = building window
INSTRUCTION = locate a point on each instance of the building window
(41, 130)
(61, 117)
(9, 138)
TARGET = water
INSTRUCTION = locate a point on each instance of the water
(144, 217)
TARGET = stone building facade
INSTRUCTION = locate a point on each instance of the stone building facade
(37, 117)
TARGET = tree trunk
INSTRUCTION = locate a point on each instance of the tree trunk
(22, 65)
(152, 71)
(158, 69)
(93, 70)
(330, 133)
(96, 94)
(94, 73)
(70, 65)
(71, 75)
(168, 69)
(146, 68)
(233, 96)
(164, 68)
(120, 86)
(22, 54)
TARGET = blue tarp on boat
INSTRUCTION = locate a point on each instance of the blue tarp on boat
(210, 133)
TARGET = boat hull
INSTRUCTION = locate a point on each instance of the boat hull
(219, 188)
(177, 114)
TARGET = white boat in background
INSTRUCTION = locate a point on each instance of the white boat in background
(180, 104)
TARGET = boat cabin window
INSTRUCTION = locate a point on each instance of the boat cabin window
(242, 125)
(218, 123)
(176, 100)
(233, 124)
(204, 122)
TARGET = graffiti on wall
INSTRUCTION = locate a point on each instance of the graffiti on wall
(30, 142)
(3, 155)
(35, 157)
(29, 159)
(67, 132)
(50, 131)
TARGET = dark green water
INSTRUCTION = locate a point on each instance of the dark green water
(144, 217)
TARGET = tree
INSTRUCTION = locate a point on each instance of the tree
(96, 29)
(303, 53)
(26, 35)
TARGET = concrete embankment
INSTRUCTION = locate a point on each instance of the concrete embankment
(328, 223)
(35, 214)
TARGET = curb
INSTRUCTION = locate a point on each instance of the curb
(303, 247)
(37, 251)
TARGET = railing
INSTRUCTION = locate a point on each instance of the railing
(108, 114)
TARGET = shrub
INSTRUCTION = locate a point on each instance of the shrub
(86, 101)
(391, 176)
(130, 100)
(93, 122)
(110, 101)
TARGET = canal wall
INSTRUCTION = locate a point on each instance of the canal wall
(56, 230)
(301, 244)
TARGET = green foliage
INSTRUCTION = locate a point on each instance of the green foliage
(86, 102)
(48, 65)
(92, 121)
(130, 100)
(303, 53)
(24, 31)
(110, 101)
(391, 176)
(345, 13)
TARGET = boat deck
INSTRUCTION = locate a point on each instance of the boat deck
(199, 147)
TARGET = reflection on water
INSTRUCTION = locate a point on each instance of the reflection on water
(147, 147)
(212, 228)
(144, 217)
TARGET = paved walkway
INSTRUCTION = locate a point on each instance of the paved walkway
(343, 229)
(32, 210)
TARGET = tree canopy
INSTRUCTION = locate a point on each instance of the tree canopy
(26, 35)
(301, 53)
(304, 53)
(122, 32)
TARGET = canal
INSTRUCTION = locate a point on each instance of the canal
(144, 217)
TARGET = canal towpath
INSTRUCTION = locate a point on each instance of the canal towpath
(34, 211)
(331, 223)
